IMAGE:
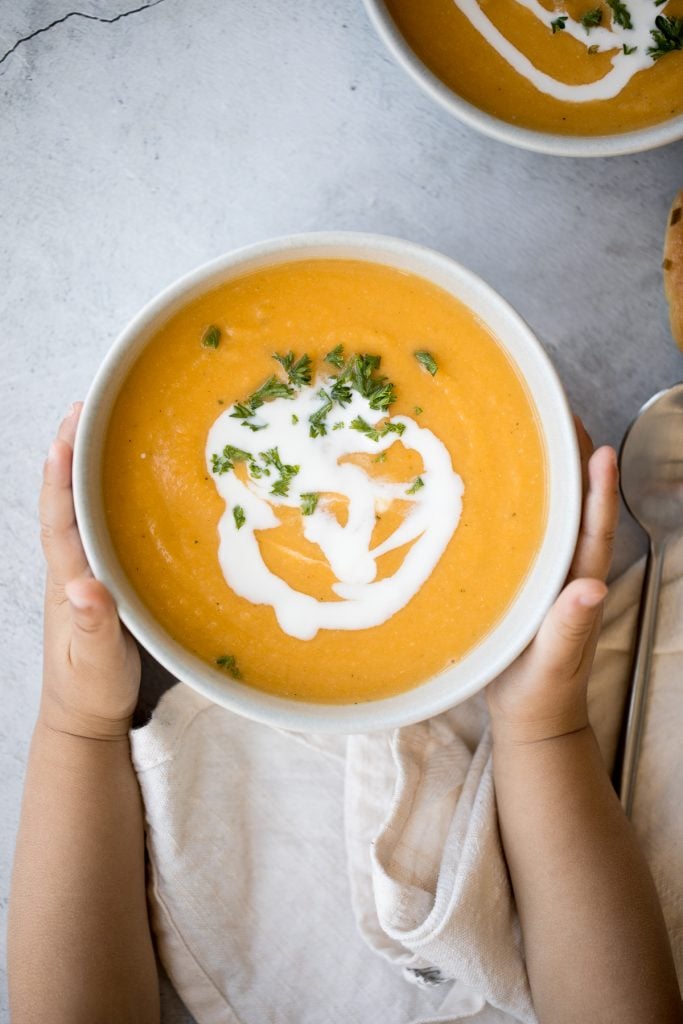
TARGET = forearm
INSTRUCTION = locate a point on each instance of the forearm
(79, 942)
(594, 936)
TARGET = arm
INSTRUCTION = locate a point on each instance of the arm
(594, 936)
(80, 950)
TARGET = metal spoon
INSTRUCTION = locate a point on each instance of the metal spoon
(651, 470)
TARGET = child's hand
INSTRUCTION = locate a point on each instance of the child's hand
(543, 693)
(91, 673)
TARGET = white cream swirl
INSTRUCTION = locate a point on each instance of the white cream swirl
(624, 64)
(364, 602)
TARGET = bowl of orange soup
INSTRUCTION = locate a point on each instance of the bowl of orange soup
(567, 77)
(332, 481)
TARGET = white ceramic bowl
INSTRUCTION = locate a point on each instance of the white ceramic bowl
(524, 138)
(522, 619)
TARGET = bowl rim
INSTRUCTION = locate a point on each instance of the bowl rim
(434, 695)
(549, 143)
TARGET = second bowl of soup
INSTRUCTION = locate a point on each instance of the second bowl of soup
(579, 78)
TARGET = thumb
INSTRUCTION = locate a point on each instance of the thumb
(569, 627)
(96, 636)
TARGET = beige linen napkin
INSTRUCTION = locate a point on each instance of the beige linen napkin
(245, 837)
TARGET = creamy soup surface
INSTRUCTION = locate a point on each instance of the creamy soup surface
(580, 67)
(345, 522)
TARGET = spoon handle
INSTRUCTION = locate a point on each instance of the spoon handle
(641, 675)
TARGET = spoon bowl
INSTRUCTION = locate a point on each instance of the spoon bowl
(651, 465)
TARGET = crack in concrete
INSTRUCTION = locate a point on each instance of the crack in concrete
(77, 14)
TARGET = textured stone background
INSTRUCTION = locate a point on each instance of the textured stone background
(134, 149)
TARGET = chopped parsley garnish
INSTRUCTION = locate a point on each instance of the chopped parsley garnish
(298, 370)
(417, 485)
(594, 48)
(427, 360)
(417, 409)
(338, 426)
(559, 23)
(382, 457)
(660, 3)
(309, 502)
(271, 388)
(629, 49)
(363, 427)
(336, 356)
(271, 457)
(295, 418)
(229, 663)
(239, 516)
(668, 36)
(591, 18)
(211, 337)
(224, 462)
(318, 426)
(620, 13)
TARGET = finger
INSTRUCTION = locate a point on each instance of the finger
(568, 628)
(595, 545)
(585, 450)
(97, 639)
(69, 425)
(59, 532)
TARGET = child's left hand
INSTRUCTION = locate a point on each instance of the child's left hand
(91, 673)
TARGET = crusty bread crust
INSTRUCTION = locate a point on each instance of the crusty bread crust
(673, 267)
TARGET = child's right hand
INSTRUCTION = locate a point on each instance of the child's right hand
(91, 673)
(543, 693)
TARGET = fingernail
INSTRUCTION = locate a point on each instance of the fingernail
(80, 603)
(70, 411)
(593, 599)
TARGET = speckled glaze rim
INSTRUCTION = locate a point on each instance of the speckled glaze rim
(540, 588)
(523, 138)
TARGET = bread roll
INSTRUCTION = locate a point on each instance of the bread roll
(673, 268)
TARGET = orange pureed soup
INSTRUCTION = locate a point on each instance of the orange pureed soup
(440, 441)
(578, 67)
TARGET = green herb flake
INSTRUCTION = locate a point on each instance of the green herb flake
(295, 418)
(593, 49)
(668, 36)
(417, 486)
(211, 337)
(338, 426)
(318, 426)
(336, 356)
(271, 457)
(620, 13)
(382, 457)
(309, 502)
(228, 662)
(426, 359)
(239, 516)
(628, 50)
(591, 18)
(363, 427)
(224, 462)
(298, 370)
(559, 23)
(417, 409)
